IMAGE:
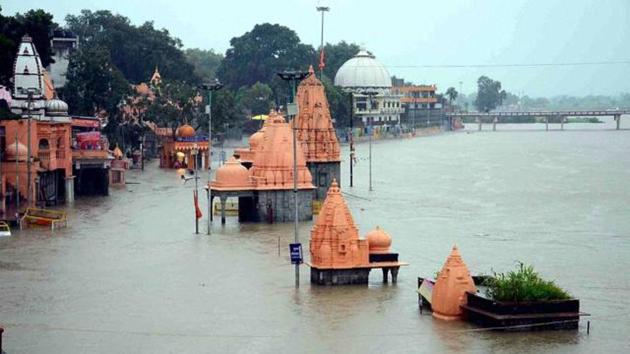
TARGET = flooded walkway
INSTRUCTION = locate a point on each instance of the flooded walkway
(130, 275)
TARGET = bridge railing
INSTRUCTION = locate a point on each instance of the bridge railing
(587, 113)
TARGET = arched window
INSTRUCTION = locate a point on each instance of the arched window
(43, 144)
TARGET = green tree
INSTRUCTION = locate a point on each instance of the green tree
(337, 54)
(224, 112)
(339, 103)
(36, 23)
(173, 104)
(94, 83)
(489, 94)
(206, 62)
(451, 93)
(259, 54)
(255, 100)
(135, 51)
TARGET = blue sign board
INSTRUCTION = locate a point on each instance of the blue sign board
(295, 250)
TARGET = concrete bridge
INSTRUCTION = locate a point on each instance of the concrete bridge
(561, 115)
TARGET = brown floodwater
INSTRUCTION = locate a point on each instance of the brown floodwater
(129, 274)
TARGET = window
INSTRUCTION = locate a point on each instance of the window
(43, 144)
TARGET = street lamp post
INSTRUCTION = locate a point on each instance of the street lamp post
(293, 77)
(370, 95)
(212, 86)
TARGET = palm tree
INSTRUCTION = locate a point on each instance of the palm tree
(452, 94)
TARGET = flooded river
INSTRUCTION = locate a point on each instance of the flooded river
(129, 274)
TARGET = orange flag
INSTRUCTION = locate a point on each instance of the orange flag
(198, 213)
(321, 60)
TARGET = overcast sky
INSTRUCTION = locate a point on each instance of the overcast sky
(416, 33)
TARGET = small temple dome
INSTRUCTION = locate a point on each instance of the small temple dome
(185, 131)
(256, 140)
(56, 108)
(232, 175)
(363, 71)
(379, 241)
(11, 151)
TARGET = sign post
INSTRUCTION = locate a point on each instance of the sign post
(295, 250)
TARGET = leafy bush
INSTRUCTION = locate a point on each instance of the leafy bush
(524, 284)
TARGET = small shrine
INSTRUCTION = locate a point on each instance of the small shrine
(449, 291)
(338, 256)
(265, 191)
(188, 149)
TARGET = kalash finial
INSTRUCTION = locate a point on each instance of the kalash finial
(334, 186)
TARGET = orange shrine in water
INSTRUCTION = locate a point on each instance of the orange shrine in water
(338, 256)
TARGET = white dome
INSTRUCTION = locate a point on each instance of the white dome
(56, 107)
(363, 71)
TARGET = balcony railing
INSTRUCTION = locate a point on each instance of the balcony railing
(44, 155)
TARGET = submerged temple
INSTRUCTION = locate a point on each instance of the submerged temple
(265, 191)
(449, 291)
(338, 255)
(316, 134)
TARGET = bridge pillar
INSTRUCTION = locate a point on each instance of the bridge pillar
(494, 124)
(618, 119)
(562, 118)
(479, 120)
(547, 123)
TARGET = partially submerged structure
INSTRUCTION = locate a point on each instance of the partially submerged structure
(449, 292)
(91, 160)
(42, 147)
(316, 134)
(338, 255)
(186, 149)
(517, 302)
(265, 191)
(36, 156)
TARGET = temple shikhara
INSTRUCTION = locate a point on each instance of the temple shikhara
(338, 255)
(269, 160)
(316, 134)
(265, 191)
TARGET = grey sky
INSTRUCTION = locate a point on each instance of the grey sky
(418, 32)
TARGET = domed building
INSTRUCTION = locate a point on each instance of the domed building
(265, 191)
(370, 82)
(338, 256)
(187, 149)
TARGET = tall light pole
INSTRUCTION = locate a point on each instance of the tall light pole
(323, 10)
(293, 77)
(211, 86)
(370, 95)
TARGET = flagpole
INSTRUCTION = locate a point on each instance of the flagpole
(322, 9)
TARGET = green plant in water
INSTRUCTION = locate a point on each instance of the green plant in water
(524, 284)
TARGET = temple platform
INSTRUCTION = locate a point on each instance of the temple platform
(349, 276)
